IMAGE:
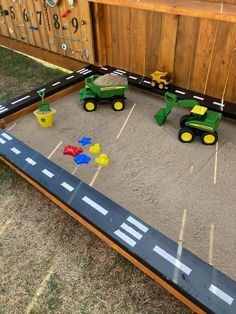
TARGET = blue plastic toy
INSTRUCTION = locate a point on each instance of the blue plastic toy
(82, 159)
(85, 141)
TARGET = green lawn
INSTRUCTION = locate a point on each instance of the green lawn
(50, 263)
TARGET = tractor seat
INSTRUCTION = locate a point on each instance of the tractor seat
(200, 110)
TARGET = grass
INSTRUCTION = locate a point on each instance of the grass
(88, 276)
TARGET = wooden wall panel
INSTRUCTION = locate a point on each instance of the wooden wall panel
(197, 51)
(153, 39)
(186, 43)
(168, 42)
(40, 25)
(221, 59)
(203, 54)
(230, 88)
(138, 40)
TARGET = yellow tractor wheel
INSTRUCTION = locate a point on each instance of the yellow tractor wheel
(153, 83)
(118, 105)
(90, 105)
(209, 138)
(161, 85)
(186, 135)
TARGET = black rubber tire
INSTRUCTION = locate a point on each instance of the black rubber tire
(183, 120)
(121, 100)
(209, 133)
(93, 101)
(186, 130)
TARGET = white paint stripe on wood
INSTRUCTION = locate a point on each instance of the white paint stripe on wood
(125, 238)
(48, 173)
(21, 99)
(95, 205)
(221, 294)
(67, 186)
(174, 261)
(31, 161)
(179, 92)
(8, 137)
(15, 150)
(138, 224)
(130, 230)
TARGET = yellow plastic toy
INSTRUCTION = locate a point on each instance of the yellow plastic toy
(45, 114)
(95, 149)
(45, 120)
(102, 160)
(160, 79)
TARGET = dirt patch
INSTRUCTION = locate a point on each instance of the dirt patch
(5, 80)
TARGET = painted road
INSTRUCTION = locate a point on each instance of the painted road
(201, 283)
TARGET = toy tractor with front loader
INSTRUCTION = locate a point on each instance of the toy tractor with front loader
(200, 122)
(160, 79)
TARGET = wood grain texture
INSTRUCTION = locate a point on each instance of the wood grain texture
(138, 49)
(203, 53)
(185, 50)
(211, 10)
(221, 60)
(153, 42)
(230, 88)
(168, 42)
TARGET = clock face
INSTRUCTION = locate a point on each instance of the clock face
(53, 3)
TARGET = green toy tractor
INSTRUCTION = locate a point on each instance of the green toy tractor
(200, 122)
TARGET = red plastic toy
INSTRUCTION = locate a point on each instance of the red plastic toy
(67, 12)
(72, 150)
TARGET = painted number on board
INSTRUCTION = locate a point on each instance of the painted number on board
(75, 24)
(56, 21)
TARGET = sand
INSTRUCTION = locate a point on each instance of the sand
(151, 173)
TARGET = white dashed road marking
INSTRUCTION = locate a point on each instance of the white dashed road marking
(179, 92)
(138, 224)
(55, 84)
(130, 230)
(95, 205)
(106, 69)
(147, 82)
(70, 77)
(8, 137)
(48, 173)
(221, 294)
(31, 161)
(2, 141)
(174, 261)
(21, 99)
(133, 77)
(125, 238)
(15, 150)
(3, 109)
(67, 186)
(218, 104)
(86, 72)
(115, 72)
(198, 97)
(120, 71)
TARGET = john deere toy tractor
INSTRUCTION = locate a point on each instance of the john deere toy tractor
(201, 121)
(160, 79)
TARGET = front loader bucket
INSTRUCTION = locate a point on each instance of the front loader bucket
(161, 116)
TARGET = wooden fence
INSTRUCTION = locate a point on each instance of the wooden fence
(199, 51)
